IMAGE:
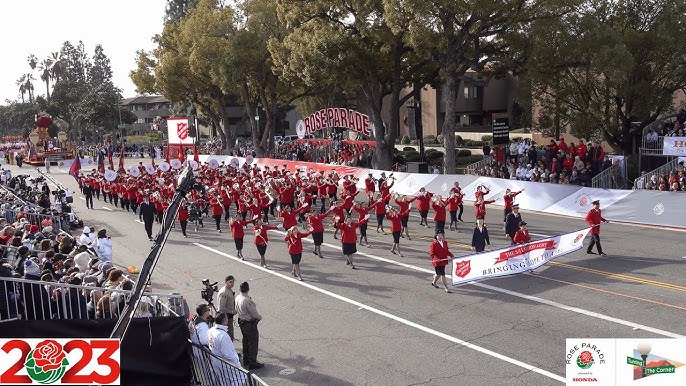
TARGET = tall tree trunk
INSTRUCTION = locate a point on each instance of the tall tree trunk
(448, 130)
(229, 135)
(250, 110)
(47, 90)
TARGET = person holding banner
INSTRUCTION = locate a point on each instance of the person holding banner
(512, 222)
(480, 239)
(439, 253)
(593, 219)
(522, 236)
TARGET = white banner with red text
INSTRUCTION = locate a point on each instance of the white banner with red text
(515, 259)
(674, 146)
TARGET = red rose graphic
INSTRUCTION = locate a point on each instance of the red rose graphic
(48, 355)
(586, 357)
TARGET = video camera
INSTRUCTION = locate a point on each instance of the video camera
(208, 292)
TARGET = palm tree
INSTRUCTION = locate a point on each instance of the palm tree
(59, 67)
(28, 85)
(33, 61)
(21, 82)
(45, 75)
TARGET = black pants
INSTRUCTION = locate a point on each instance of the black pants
(459, 215)
(217, 220)
(116, 200)
(251, 340)
(183, 227)
(226, 212)
(97, 193)
(595, 240)
(89, 201)
(440, 226)
(158, 216)
(148, 226)
(125, 204)
(134, 206)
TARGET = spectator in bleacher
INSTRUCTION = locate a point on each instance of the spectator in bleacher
(74, 304)
(88, 237)
(104, 246)
(104, 309)
(81, 258)
(34, 295)
(114, 278)
(581, 150)
(651, 136)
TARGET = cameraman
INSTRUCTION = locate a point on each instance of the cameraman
(199, 326)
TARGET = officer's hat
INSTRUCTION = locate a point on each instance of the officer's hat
(522, 223)
(596, 202)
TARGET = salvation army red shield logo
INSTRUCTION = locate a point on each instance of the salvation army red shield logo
(463, 268)
(182, 130)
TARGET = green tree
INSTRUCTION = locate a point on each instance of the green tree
(609, 69)
(17, 118)
(348, 45)
(464, 36)
(178, 9)
(45, 71)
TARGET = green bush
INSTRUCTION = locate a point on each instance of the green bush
(439, 139)
(414, 142)
(473, 144)
(412, 157)
(487, 138)
(409, 148)
(464, 153)
(405, 140)
(435, 156)
(459, 141)
(430, 140)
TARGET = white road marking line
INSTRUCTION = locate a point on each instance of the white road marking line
(106, 208)
(82, 198)
(394, 317)
(519, 295)
(139, 221)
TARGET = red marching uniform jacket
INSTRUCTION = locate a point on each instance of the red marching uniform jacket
(349, 231)
(423, 201)
(289, 217)
(509, 199)
(522, 236)
(316, 221)
(182, 214)
(295, 243)
(439, 211)
(439, 253)
(481, 208)
(369, 185)
(404, 206)
(237, 228)
(594, 217)
(260, 232)
(396, 224)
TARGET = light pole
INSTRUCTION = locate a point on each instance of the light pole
(644, 350)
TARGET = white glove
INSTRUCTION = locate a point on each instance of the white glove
(311, 229)
(305, 205)
(278, 208)
(366, 217)
(279, 226)
(255, 217)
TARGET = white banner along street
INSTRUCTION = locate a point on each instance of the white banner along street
(674, 146)
(516, 258)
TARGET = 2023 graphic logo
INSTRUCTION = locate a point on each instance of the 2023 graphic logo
(59, 361)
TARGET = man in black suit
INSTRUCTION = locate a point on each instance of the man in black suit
(480, 238)
(88, 192)
(147, 214)
(512, 222)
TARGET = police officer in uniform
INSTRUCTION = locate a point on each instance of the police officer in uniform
(227, 302)
(248, 317)
(512, 222)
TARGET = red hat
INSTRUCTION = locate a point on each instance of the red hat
(33, 229)
(20, 216)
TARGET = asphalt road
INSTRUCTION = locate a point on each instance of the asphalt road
(383, 324)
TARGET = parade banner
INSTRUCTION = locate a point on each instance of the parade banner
(674, 146)
(515, 259)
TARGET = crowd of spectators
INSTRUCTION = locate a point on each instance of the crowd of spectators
(557, 162)
(673, 128)
(675, 181)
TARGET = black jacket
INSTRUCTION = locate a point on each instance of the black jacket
(480, 239)
(147, 211)
(512, 223)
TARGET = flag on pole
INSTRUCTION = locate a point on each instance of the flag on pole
(121, 159)
(182, 154)
(75, 168)
(168, 151)
(101, 161)
(196, 157)
(110, 151)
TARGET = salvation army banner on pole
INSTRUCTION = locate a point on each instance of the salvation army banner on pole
(517, 258)
(674, 146)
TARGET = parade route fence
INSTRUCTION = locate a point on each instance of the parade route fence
(40, 300)
(632, 206)
(212, 370)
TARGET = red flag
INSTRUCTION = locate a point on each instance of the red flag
(196, 157)
(75, 168)
(121, 159)
(168, 151)
(182, 154)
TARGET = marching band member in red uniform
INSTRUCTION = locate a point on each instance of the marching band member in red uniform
(509, 198)
(295, 248)
(183, 215)
(423, 199)
(439, 206)
(593, 218)
(404, 207)
(396, 227)
(380, 212)
(439, 253)
(454, 203)
(237, 233)
(362, 211)
(261, 238)
(370, 187)
(315, 222)
(458, 192)
(480, 207)
(349, 238)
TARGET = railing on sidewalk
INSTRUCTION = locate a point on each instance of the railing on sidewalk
(614, 177)
(642, 181)
(58, 223)
(212, 370)
(40, 300)
(476, 167)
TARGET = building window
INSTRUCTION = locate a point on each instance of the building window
(471, 92)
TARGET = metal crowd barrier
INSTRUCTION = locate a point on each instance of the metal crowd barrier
(476, 167)
(39, 300)
(58, 224)
(642, 181)
(212, 370)
(611, 178)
